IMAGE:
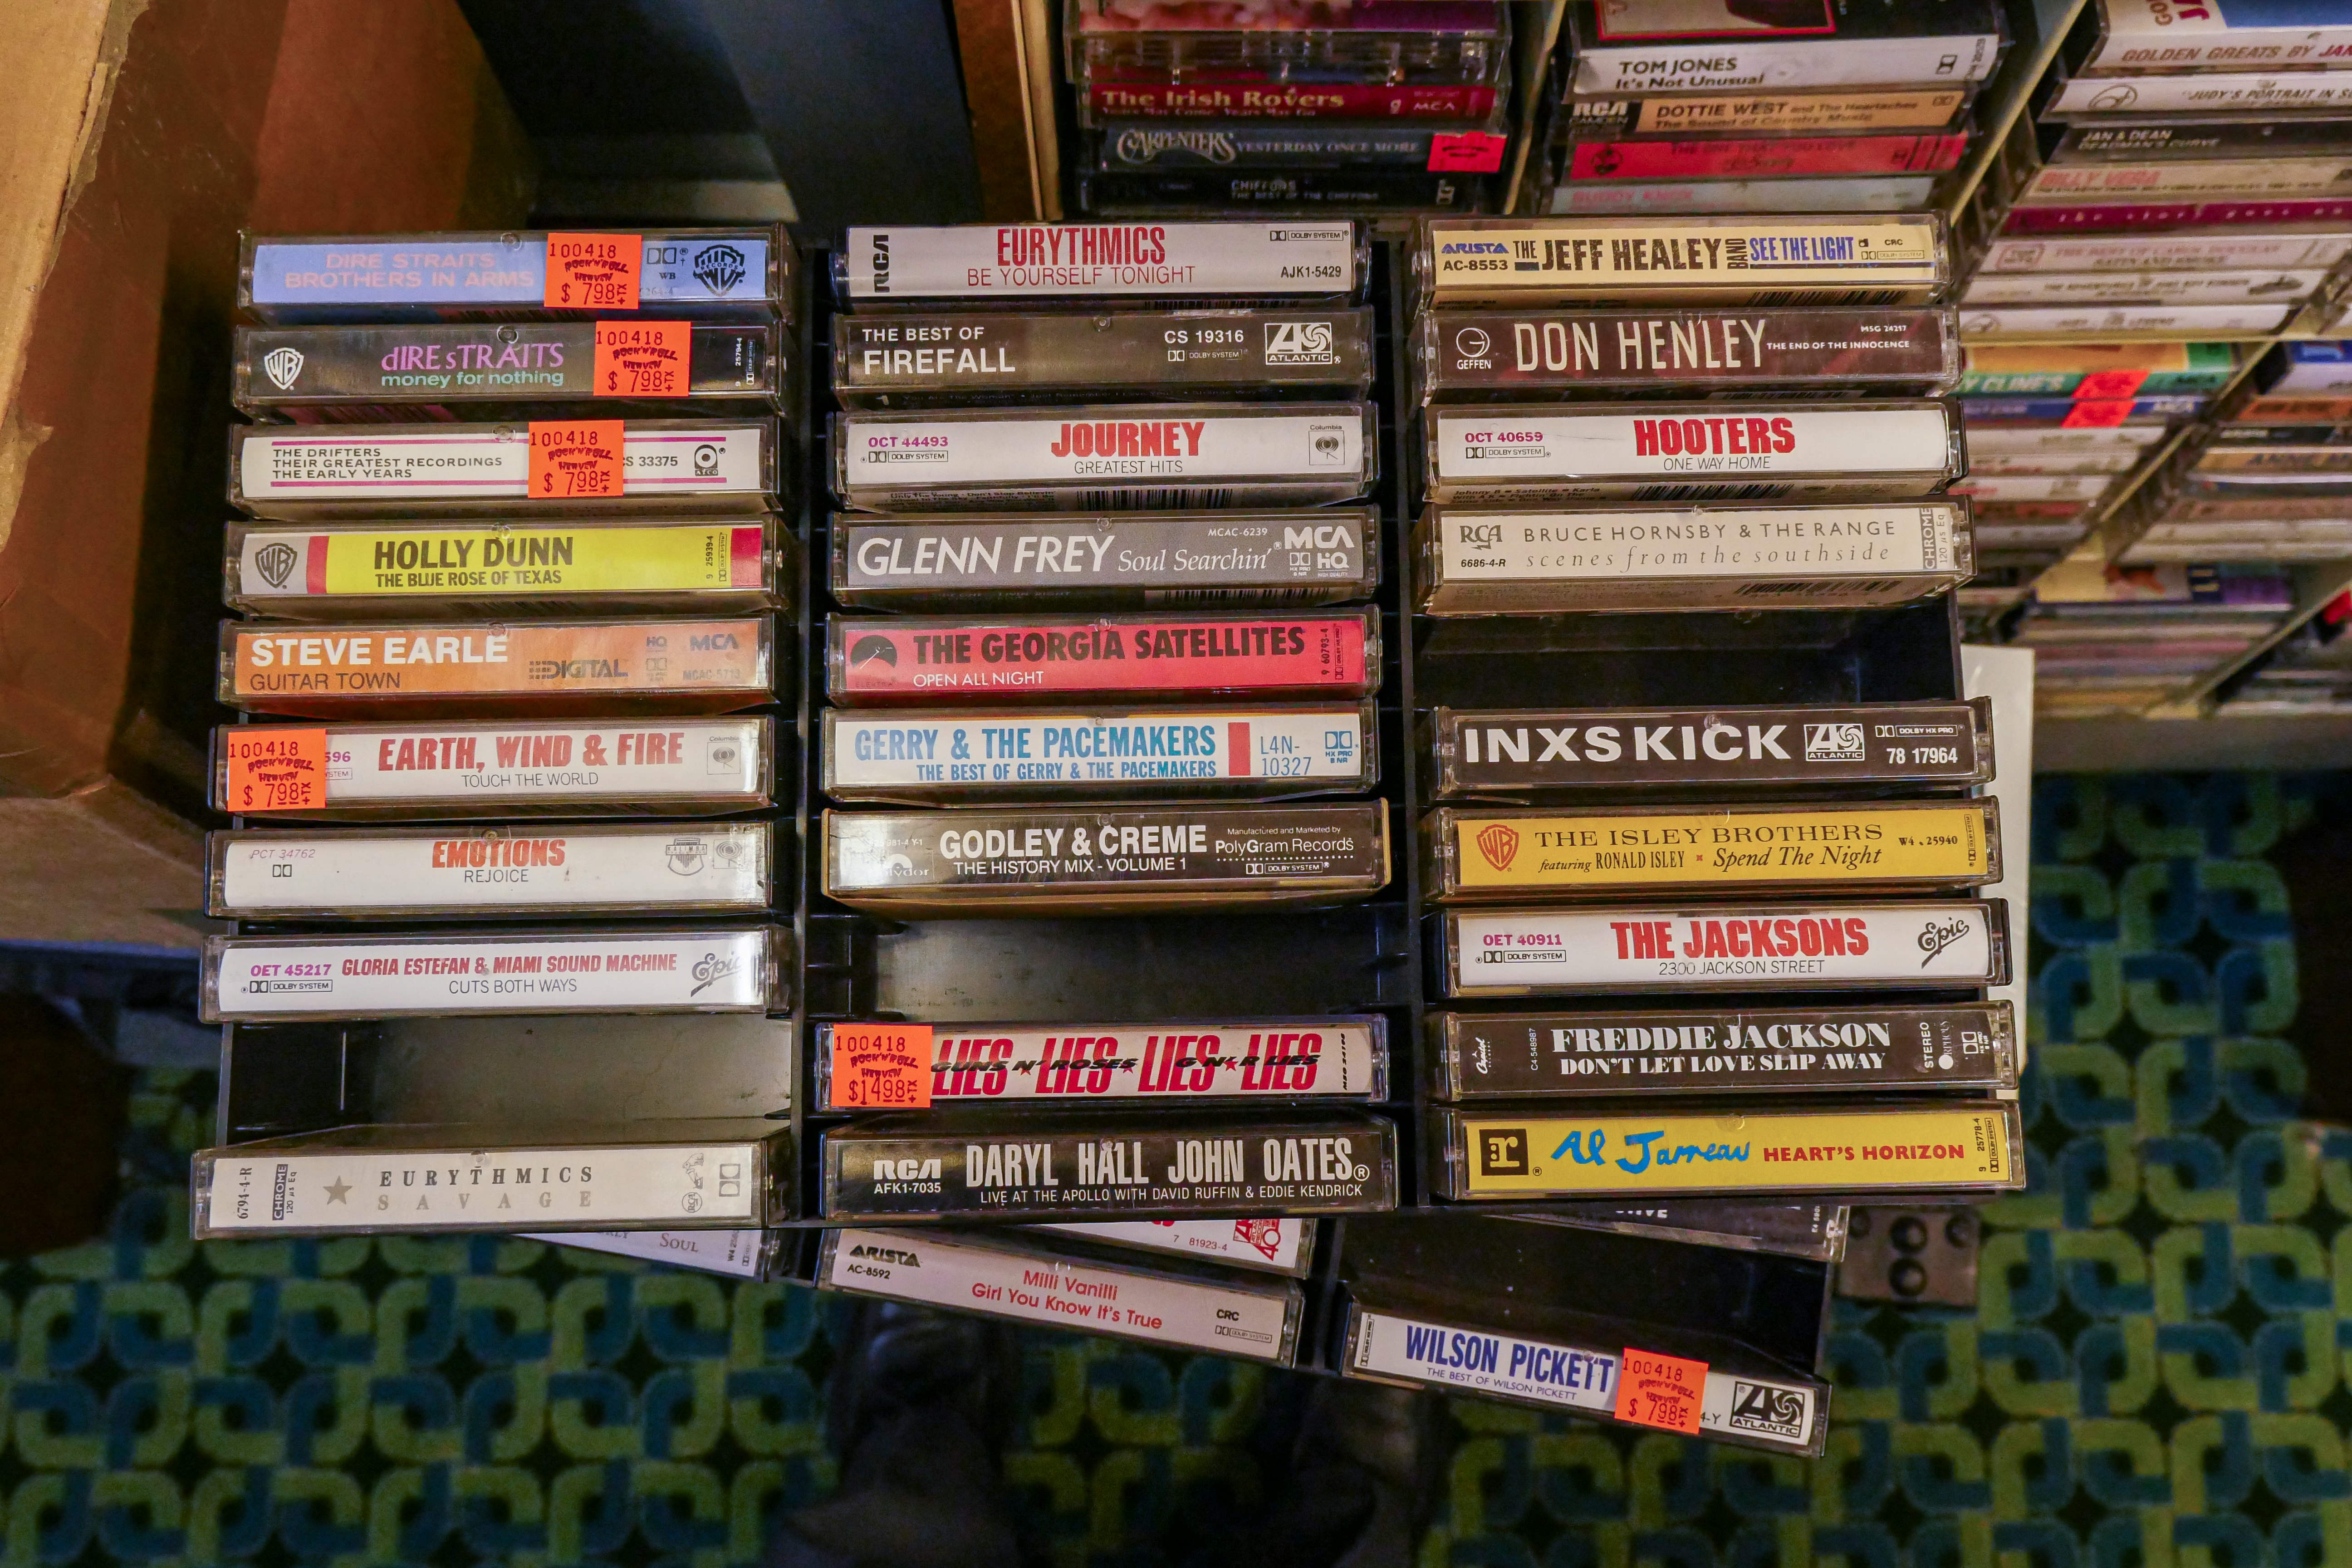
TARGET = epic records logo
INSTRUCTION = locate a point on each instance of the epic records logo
(275, 562)
(1499, 843)
(718, 267)
(1300, 343)
(282, 365)
(1502, 1150)
(1760, 1407)
(1832, 743)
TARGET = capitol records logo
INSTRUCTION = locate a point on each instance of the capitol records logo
(686, 857)
(1499, 843)
(867, 650)
(275, 562)
(1832, 743)
(1300, 343)
(1266, 1235)
(714, 968)
(718, 267)
(1145, 146)
(1760, 1407)
(282, 366)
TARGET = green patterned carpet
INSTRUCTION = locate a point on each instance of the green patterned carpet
(2156, 1375)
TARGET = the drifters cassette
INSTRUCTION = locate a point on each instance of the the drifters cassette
(929, 359)
(1095, 1166)
(1892, 1049)
(1927, 1147)
(422, 873)
(1513, 854)
(651, 767)
(1148, 264)
(1894, 259)
(1274, 1243)
(1511, 752)
(947, 756)
(466, 568)
(486, 469)
(1476, 562)
(745, 969)
(1721, 46)
(1775, 450)
(979, 861)
(1823, 945)
(1116, 560)
(1338, 1058)
(1466, 356)
(1712, 114)
(1028, 1281)
(929, 658)
(1131, 456)
(328, 670)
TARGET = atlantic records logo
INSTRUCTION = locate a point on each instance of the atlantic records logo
(1832, 743)
(1300, 343)
(282, 365)
(1499, 843)
(1502, 1150)
(1760, 1407)
(867, 650)
(276, 561)
(686, 857)
(718, 267)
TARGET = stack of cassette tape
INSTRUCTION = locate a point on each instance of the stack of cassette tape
(2117, 639)
(1712, 106)
(502, 857)
(1198, 106)
(2309, 675)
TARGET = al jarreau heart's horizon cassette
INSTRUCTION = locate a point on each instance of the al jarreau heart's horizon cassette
(1141, 456)
(1168, 1062)
(1147, 265)
(1165, 1165)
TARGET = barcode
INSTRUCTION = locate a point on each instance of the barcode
(1760, 491)
(1178, 496)
(1173, 598)
(1821, 590)
(1831, 297)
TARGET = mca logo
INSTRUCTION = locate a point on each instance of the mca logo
(1300, 343)
(1499, 843)
(718, 267)
(275, 562)
(712, 642)
(282, 365)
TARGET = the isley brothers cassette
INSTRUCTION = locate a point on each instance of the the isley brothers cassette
(981, 860)
(1147, 263)
(1496, 855)
(1857, 1049)
(1895, 260)
(1183, 1165)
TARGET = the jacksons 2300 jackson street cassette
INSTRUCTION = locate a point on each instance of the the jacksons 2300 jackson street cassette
(1866, 1049)
(1897, 259)
(1091, 1166)
(977, 861)
(1148, 262)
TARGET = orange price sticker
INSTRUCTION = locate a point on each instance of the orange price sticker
(1662, 1391)
(274, 768)
(881, 1067)
(593, 271)
(1466, 153)
(642, 359)
(572, 459)
(2096, 414)
(2111, 384)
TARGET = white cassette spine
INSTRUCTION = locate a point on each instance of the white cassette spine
(694, 867)
(739, 1253)
(1474, 448)
(542, 762)
(260, 979)
(2207, 93)
(1277, 1243)
(2165, 253)
(1624, 70)
(291, 463)
(1926, 944)
(493, 1189)
(1013, 450)
(1030, 261)
(1603, 546)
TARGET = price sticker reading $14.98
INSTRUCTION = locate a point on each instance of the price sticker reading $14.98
(275, 768)
(881, 1067)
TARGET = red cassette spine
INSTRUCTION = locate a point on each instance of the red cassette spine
(1764, 157)
(1288, 100)
(944, 658)
(2114, 218)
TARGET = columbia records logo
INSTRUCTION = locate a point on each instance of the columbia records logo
(1760, 1407)
(705, 461)
(1472, 342)
(1327, 445)
(1502, 1150)
(282, 366)
(1832, 743)
(275, 562)
(867, 650)
(726, 756)
(1300, 343)
(1499, 843)
(726, 853)
(718, 267)
(686, 857)
(2120, 97)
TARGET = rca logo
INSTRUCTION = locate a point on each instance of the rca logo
(1499, 843)
(908, 1170)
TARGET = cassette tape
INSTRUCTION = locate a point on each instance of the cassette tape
(327, 670)
(949, 756)
(653, 767)
(1856, 112)
(1813, 1230)
(1475, 562)
(1006, 658)
(1863, 1050)
(1144, 146)
(2165, 252)
(2119, 217)
(1150, 265)
(2079, 413)
(424, 873)
(2241, 179)
(981, 860)
(1994, 491)
(1775, 450)
(2147, 141)
(1177, 1165)
(1478, 105)
(2102, 371)
(1121, 457)
(328, 571)
(738, 1254)
(2314, 369)
(1847, 195)
(1124, 192)
(1897, 259)
(2124, 37)
(1463, 355)
(510, 369)
(1821, 944)
(1940, 1147)
(1028, 1280)
(1722, 48)
(1271, 1244)
(2199, 95)
(1517, 753)
(1993, 444)
(1607, 158)
(1447, 41)
(357, 1181)
(699, 273)
(2081, 290)
(2167, 323)
(1116, 561)
(1336, 1058)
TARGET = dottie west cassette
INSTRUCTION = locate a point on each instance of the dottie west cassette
(1166, 1164)
(980, 861)
(933, 658)
(1706, 115)
(1723, 259)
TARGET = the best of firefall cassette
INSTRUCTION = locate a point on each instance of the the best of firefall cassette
(309, 374)
(985, 860)
(479, 567)
(1895, 260)
(650, 767)
(738, 1254)
(1929, 1146)
(1149, 263)
(1336, 1058)
(357, 1180)
(1173, 1165)
(1461, 355)
(744, 969)
(1495, 562)
(1001, 1275)
(1134, 456)
(1705, 115)
(1720, 46)
(702, 273)
(949, 756)
(1515, 752)
(1115, 561)
(1892, 1049)
(1496, 855)
(327, 669)
(2124, 37)
(419, 873)
(1692, 451)
(1817, 944)
(912, 360)
(1001, 659)
(1273, 1244)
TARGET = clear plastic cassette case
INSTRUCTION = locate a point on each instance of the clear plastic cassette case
(1898, 258)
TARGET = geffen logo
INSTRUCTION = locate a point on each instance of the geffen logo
(282, 365)
(1499, 843)
(1472, 342)
(276, 561)
(718, 267)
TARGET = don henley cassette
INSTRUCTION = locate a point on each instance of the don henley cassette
(1742, 260)
(1152, 264)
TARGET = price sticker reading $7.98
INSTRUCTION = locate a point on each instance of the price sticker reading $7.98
(275, 768)
(1659, 1390)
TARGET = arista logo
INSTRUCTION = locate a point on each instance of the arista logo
(1472, 248)
(1499, 843)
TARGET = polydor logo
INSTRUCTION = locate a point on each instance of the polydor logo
(1499, 843)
